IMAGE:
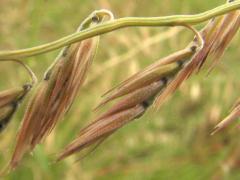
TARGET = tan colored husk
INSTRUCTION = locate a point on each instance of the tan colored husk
(228, 120)
(136, 97)
(215, 35)
(132, 99)
(6, 114)
(120, 113)
(8, 96)
(138, 90)
(99, 130)
(230, 29)
(233, 115)
(167, 66)
(55, 93)
(9, 100)
(175, 57)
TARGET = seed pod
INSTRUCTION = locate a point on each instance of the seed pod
(228, 120)
(142, 95)
(8, 96)
(166, 67)
(230, 26)
(136, 97)
(234, 114)
(100, 130)
(181, 55)
(216, 35)
(56, 92)
(9, 100)
(6, 114)
(129, 108)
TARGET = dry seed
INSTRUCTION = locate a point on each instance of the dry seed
(56, 92)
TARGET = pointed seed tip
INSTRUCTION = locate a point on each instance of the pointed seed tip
(216, 129)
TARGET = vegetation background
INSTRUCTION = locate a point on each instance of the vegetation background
(174, 143)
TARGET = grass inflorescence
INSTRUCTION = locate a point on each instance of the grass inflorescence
(149, 87)
(166, 75)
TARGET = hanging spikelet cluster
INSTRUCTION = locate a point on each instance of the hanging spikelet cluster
(136, 95)
(232, 26)
(216, 35)
(56, 92)
(156, 82)
(151, 86)
(11, 98)
(228, 120)
(9, 101)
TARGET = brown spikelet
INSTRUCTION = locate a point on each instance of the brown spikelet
(9, 101)
(180, 77)
(136, 97)
(99, 130)
(69, 79)
(127, 109)
(139, 82)
(139, 90)
(175, 57)
(8, 96)
(228, 120)
(132, 99)
(214, 35)
(26, 132)
(167, 66)
(229, 29)
(55, 93)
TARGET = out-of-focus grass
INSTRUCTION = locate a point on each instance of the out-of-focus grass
(174, 143)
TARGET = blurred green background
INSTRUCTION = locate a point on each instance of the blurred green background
(174, 143)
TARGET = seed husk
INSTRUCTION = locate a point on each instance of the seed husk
(130, 107)
(100, 130)
(228, 120)
(165, 67)
(217, 33)
(9, 101)
(229, 29)
(57, 90)
(136, 97)
(175, 57)
(214, 36)
(8, 96)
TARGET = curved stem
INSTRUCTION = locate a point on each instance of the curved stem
(176, 20)
(27, 68)
(92, 20)
(198, 36)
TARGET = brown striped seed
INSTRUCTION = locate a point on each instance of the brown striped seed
(100, 130)
(56, 92)
(9, 101)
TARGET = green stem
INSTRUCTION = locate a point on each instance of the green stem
(27, 68)
(176, 20)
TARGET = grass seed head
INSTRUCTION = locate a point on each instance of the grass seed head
(9, 101)
(100, 130)
(228, 120)
(165, 67)
(58, 89)
(217, 34)
(130, 107)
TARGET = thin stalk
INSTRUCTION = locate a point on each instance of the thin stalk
(198, 36)
(27, 68)
(109, 26)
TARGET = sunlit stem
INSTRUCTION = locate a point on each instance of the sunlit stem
(109, 26)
